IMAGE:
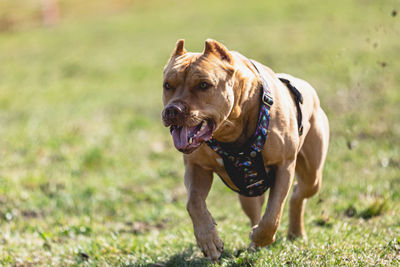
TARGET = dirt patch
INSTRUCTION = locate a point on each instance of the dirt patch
(140, 227)
(32, 213)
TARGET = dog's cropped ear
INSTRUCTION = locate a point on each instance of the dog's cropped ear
(218, 49)
(179, 49)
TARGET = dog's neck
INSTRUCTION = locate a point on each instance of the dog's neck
(242, 121)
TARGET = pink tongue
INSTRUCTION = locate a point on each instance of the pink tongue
(179, 135)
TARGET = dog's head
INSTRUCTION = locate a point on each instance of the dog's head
(198, 93)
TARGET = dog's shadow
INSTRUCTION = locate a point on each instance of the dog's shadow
(189, 257)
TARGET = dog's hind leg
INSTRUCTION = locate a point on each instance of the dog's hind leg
(252, 207)
(309, 166)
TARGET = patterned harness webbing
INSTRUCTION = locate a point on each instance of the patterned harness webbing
(245, 165)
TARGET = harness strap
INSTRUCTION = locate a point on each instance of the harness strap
(266, 98)
(298, 99)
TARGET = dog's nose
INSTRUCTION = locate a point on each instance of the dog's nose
(174, 113)
(171, 111)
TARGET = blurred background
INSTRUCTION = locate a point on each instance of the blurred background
(89, 176)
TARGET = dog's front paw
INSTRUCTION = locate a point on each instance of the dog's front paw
(210, 243)
(260, 237)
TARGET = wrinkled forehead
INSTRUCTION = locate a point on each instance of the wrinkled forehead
(194, 65)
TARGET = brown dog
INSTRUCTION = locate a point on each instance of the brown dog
(217, 94)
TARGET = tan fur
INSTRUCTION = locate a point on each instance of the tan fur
(233, 103)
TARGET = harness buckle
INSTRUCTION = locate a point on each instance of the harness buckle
(267, 99)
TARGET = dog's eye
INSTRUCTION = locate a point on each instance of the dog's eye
(167, 86)
(204, 85)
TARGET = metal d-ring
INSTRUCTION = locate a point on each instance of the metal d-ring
(267, 99)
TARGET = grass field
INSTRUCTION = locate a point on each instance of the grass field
(88, 175)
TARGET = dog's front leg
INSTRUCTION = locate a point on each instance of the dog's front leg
(198, 183)
(263, 234)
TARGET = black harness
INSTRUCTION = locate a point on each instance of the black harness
(245, 165)
(298, 98)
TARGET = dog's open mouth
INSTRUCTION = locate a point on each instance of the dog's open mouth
(187, 139)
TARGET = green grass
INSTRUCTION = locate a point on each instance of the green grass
(88, 175)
